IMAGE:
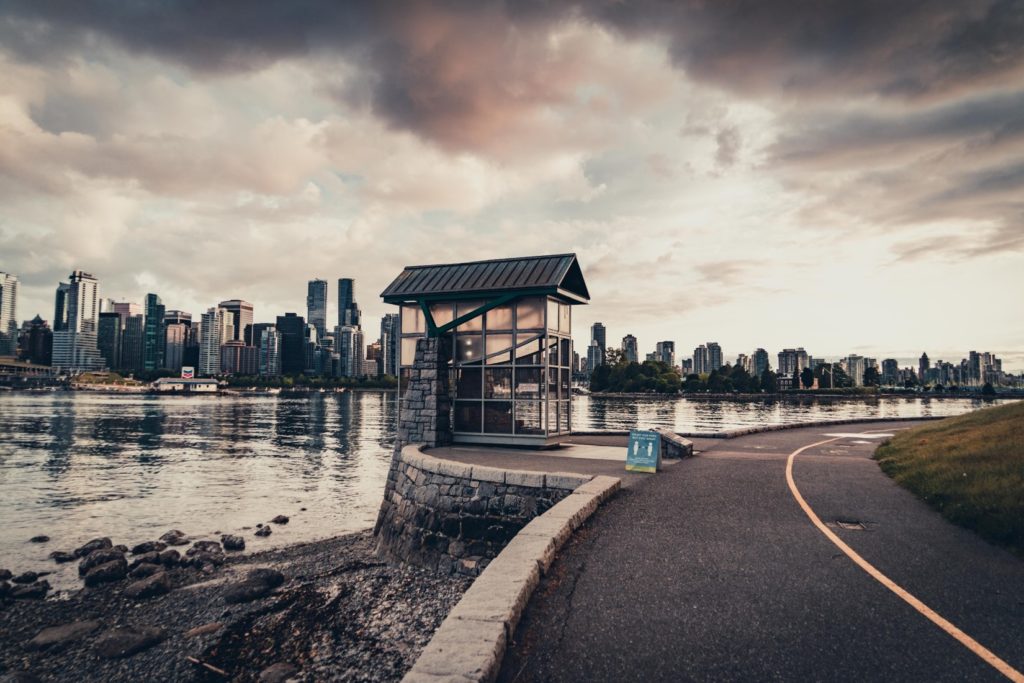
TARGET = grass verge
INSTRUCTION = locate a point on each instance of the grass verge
(970, 468)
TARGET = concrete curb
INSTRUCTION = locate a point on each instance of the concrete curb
(744, 431)
(470, 644)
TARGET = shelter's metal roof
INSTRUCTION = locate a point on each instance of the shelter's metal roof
(553, 274)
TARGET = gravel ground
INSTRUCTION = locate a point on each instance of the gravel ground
(340, 614)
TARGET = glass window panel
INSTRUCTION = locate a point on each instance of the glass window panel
(500, 318)
(498, 417)
(552, 374)
(468, 382)
(409, 349)
(469, 348)
(564, 318)
(563, 417)
(530, 352)
(566, 352)
(498, 383)
(474, 325)
(552, 314)
(564, 374)
(528, 384)
(442, 313)
(529, 417)
(468, 416)
(530, 314)
(412, 320)
(552, 417)
(553, 351)
(499, 349)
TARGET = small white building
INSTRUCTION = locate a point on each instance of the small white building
(187, 386)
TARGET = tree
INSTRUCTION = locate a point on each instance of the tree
(988, 389)
(693, 384)
(599, 378)
(769, 384)
(717, 383)
(807, 378)
(740, 379)
(871, 377)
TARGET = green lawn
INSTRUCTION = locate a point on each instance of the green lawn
(970, 468)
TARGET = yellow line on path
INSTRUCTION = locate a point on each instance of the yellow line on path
(965, 640)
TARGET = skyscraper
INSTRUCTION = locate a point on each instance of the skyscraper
(269, 341)
(74, 347)
(350, 351)
(292, 329)
(922, 368)
(760, 362)
(316, 307)
(665, 351)
(153, 346)
(176, 338)
(599, 334)
(8, 314)
(348, 309)
(238, 315)
(390, 338)
(39, 348)
(60, 307)
(715, 358)
(701, 362)
(109, 338)
(217, 326)
(792, 360)
(629, 349)
(133, 343)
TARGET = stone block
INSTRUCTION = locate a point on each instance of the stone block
(454, 469)
(531, 479)
(462, 649)
(491, 474)
(541, 548)
(563, 480)
(603, 487)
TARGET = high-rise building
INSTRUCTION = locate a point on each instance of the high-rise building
(127, 309)
(598, 334)
(316, 307)
(715, 358)
(269, 350)
(348, 309)
(744, 361)
(629, 349)
(292, 329)
(109, 338)
(153, 347)
(238, 359)
(349, 341)
(890, 371)
(793, 361)
(176, 336)
(760, 362)
(217, 326)
(855, 366)
(74, 347)
(238, 314)
(8, 314)
(38, 347)
(60, 307)
(665, 351)
(595, 356)
(922, 368)
(701, 364)
(390, 339)
(133, 343)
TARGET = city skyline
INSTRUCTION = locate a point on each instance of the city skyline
(822, 192)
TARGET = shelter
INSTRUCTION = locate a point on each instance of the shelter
(508, 326)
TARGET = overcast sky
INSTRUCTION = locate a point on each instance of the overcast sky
(845, 176)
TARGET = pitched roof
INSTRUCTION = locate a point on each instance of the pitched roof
(553, 274)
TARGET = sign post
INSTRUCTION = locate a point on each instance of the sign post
(644, 452)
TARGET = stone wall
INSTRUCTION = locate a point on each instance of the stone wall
(454, 517)
(425, 412)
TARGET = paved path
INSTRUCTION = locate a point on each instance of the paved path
(712, 571)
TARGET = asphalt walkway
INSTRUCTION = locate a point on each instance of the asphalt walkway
(711, 570)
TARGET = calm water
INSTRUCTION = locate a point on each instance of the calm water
(75, 466)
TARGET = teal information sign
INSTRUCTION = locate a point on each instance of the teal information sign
(644, 453)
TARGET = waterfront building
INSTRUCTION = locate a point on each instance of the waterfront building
(292, 328)
(509, 336)
(594, 356)
(855, 366)
(701, 362)
(686, 366)
(793, 361)
(890, 371)
(316, 306)
(60, 307)
(133, 342)
(75, 347)
(715, 358)
(217, 327)
(188, 386)
(629, 349)
(922, 368)
(38, 346)
(109, 338)
(269, 350)
(153, 347)
(312, 358)
(666, 352)
(349, 347)
(238, 359)
(598, 334)
(760, 362)
(238, 315)
(391, 338)
(8, 314)
(348, 309)
(176, 336)
(744, 361)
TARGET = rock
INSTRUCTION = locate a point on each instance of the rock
(144, 570)
(34, 591)
(5, 588)
(121, 548)
(60, 557)
(115, 570)
(152, 557)
(232, 542)
(5, 574)
(39, 539)
(212, 627)
(93, 545)
(204, 560)
(175, 537)
(58, 636)
(148, 547)
(263, 531)
(204, 547)
(128, 640)
(246, 591)
(278, 673)
(280, 519)
(98, 557)
(27, 577)
(271, 577)
(18, 677)
(157, 584)
(170, 557)
(302, 509)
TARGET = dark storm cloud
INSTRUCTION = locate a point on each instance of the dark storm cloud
(456, 71)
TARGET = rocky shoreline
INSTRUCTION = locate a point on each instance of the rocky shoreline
(318, 611)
